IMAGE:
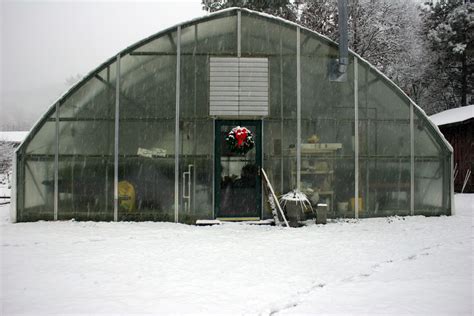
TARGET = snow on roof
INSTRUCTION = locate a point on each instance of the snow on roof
(453, 115)
(13, 137)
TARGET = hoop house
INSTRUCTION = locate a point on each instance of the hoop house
(142, 137)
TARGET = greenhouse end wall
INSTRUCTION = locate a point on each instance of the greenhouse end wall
(134, 140)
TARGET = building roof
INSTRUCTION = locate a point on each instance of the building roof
(453, 115)
(215, 15)
(13, 137)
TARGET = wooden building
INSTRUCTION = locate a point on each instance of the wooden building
(457, 125)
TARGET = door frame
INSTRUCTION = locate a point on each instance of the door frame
(217, 165)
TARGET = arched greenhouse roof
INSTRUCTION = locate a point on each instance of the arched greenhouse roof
(209, 17)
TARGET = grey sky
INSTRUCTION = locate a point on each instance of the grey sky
(44, 43)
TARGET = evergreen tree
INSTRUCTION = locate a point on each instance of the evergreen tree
(449, 32)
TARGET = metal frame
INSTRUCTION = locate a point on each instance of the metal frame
(56, 165)
(176, 144)
(282, 128)
(412, 161)
(213, 168)
(356, 138)
(453, 209)
(116, 138)
(14, 193)
(239, 33)
(298, 109)
(262, 165)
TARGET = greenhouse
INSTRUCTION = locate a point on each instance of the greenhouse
(148, 135)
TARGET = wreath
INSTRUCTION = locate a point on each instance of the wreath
(240, 140)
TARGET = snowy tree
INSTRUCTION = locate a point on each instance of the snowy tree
(385, 32)
(6, 155)
(449, 31)
(377, 29)
(282, 8)
(320, 16)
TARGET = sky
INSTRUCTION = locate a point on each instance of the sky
(45, 43)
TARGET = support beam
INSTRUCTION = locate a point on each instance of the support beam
(116, 138)
(356, 138)
(282, 128)
(14, 190)
(451, 190)
(56, 164)
(239, 33)
(298, 109)
(213, 169)
(412, 161)
(176, 145)
(123, 96)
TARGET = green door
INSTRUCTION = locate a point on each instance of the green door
(237, 184)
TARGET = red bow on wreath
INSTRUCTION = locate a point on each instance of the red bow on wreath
(240, 140)
(240, 135)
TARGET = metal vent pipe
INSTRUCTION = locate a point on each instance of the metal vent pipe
(337, 68)
(343, 49)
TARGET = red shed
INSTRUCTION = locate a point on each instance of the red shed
(457, 125)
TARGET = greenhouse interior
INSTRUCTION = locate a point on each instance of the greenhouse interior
(145, 136)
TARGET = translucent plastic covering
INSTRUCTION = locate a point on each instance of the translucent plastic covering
(359, 141)
(384, 146)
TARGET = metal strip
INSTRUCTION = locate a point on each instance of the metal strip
(56, 165)
(14, 190)
(213, 168)
(412, 161)
(239, 32)
(116, 138)
(298, 110)
(193, 206)
(453, 210)
(176, 144)
(356, 138)
(262, 155)
(109, 114)
(281, 116)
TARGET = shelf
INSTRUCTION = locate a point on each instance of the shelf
(325, 192)
(317, 149)
(311, 172)
(318, 171)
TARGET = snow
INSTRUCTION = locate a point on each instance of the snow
(5, 190)
(396, 265)
(13, 137)
(453, 115)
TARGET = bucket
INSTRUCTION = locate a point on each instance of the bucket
(342, 207)
(361, 207)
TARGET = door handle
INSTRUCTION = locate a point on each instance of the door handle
(187, 196)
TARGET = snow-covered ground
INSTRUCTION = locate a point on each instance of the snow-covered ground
(411, 265)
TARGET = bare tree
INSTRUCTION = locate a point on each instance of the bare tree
(6, 155)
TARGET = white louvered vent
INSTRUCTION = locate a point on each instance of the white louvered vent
(238, 86)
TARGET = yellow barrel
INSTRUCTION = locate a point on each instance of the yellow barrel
(126, 193)
(361, 207)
